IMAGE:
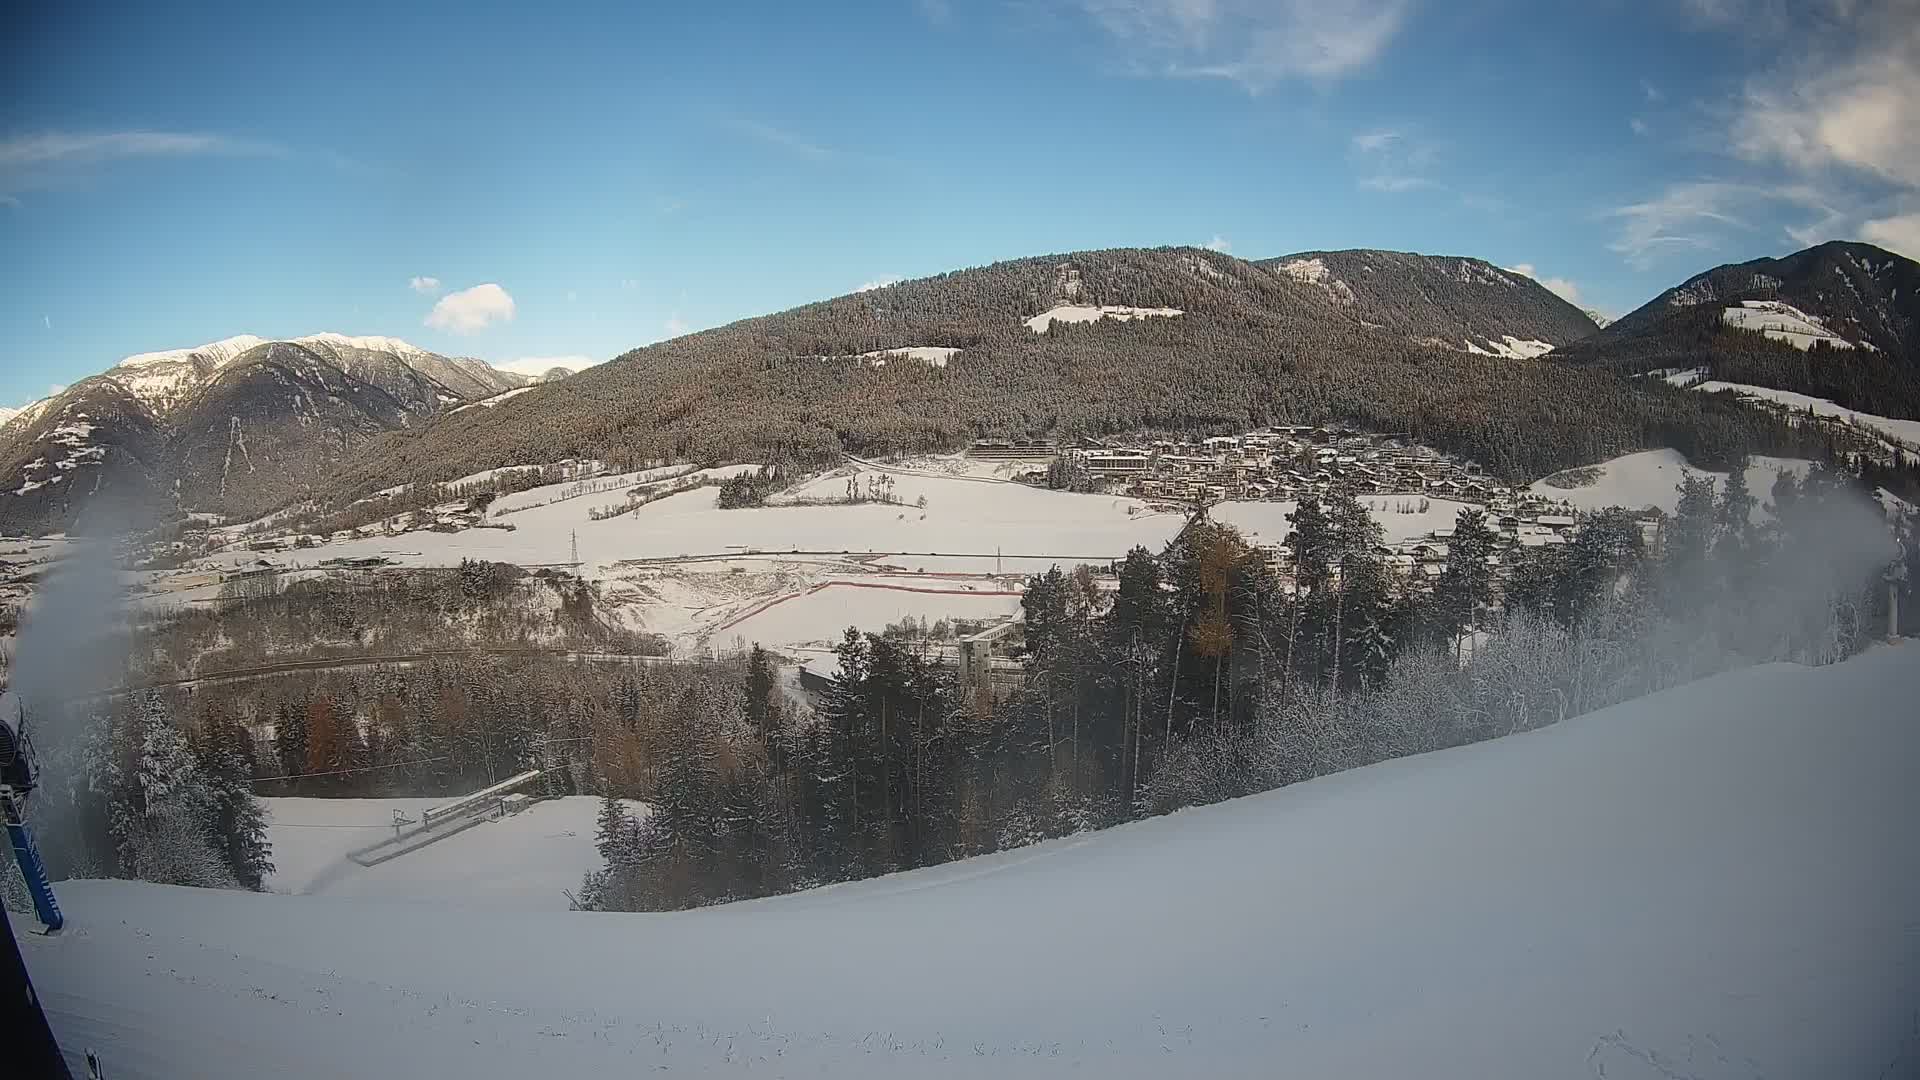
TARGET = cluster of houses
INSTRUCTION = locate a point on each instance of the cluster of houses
(1285, 463)
(1289, 463)
(1422, 559)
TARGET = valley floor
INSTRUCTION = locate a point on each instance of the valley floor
(1718, 881)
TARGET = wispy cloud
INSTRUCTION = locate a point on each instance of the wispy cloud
(1679, 218)
(472, 310)
(43, 160)
(1254, 43)
(1900, 232)
(1395, 183)
(1839, 111)
(1220, 244)
(1637, 126)
(424, 284)
(779, 138)
(675, 325)
(938, 12)
(877, 283)
(1702, 215)
(1373, 142)
(1390, 160)
(534, 366)
(1564, 288)
(1819, 143)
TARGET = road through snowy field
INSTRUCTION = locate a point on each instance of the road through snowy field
(1717, 882)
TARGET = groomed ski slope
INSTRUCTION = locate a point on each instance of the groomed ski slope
(1720, 881)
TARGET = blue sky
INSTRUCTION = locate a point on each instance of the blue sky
(551, 180)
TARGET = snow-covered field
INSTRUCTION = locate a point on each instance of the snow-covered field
(1904, 431)
(1081, 313)
(1651, 478)
(521, 863)
(931, 355)
(823, 611)
(1782, 322)
(1713, 882)
(1399, 516)
(1512, 348)
(681, 566)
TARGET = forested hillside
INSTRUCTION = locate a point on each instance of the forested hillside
(1253, 345)
(1456, 302)
(1866, 297)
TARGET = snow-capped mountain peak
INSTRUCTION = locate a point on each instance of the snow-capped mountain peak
(218, 353)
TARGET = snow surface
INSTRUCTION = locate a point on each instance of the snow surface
(1712, 882)
(490, 402)
(682, 567)
(930, 355)
(1906, 431)
(1081, 313)
(1515, 348)
(218, 352)
(822, 613)
(526, 862)
(1782, 322)
(1399, 517)
(1651, 478)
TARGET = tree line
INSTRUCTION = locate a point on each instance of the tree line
(1200, 676)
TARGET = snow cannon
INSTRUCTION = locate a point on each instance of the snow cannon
(17, 776)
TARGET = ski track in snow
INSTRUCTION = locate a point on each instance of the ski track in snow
(1713, 882)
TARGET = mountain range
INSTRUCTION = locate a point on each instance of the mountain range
(1455, 351)
(1839, 321)
(232, 427)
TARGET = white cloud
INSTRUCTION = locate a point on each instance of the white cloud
(56, 388)
(1651, 91)
(1680, 218)
(1825, 125)
(23, 151)
(1900, 233)
(540, 365)
(1392, 161)
(1220, 244)
(629, 283)
(1561, 287)
(36, 161)
(935, 11)
(572, 297)
(1370, 142)
(877, 283)
(424, 284)
(47, 321)
(1255, 43)
(675, 326)
(1638, 125)
(471, 310)
(1853, 109)
(779, 138)
(1395, 183)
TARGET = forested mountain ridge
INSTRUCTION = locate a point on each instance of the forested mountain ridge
(1861, 347)
(236, 426)
(1252, 345)
(1457, 302)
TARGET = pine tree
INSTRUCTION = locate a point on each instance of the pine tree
(161, 813)
(1464, 593)
(224, 757)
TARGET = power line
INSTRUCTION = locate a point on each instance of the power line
(343, 772)
(312, 825)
